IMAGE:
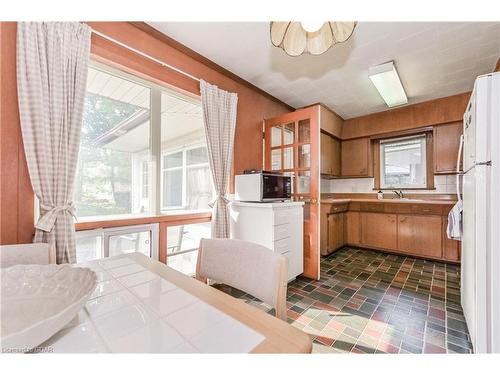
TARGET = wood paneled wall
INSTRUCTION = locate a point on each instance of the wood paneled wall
(330, 121)
(16, 195)
(430, 113)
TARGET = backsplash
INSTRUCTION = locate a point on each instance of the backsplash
(442, 183)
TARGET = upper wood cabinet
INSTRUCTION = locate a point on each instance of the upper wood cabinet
(446, 143)
(356, 158)
(330, 155)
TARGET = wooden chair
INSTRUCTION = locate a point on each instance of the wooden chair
(32, 253)
(247, 266)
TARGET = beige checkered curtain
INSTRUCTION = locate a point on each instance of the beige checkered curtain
(219, 115)
(52, 61)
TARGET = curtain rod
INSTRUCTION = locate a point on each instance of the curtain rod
(164, 64)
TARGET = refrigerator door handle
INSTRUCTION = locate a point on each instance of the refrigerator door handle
(459, 156)
(487, 163)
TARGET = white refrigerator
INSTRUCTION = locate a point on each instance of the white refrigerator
(480, 277)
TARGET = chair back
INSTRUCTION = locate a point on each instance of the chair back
(247, 266)
(31, 253)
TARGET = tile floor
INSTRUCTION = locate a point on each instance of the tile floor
(371, 302)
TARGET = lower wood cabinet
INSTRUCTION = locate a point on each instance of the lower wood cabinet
(420, 231)
(335, 231)
(420, 235)
(379, 230)
(352, 228)
(451, 248)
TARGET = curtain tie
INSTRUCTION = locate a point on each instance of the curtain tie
(49, 215)
(217, 197)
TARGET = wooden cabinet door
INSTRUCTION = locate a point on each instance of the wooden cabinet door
(335, 231)
(335, 161)
(446, 143)
(330, 155)
(451, 248)
(356, 158)
(352, 228)
(323, 227)
(379, 230)
(326, 153)
(420, 235)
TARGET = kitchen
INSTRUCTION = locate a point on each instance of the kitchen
(345, 194)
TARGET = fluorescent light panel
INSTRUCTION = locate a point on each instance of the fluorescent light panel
(387, 82)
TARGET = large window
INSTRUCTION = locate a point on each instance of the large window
(185, 176)
(114, 147)
(128, 125)
(189, 179)
(403, 163)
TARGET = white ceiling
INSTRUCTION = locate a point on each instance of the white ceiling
(433, 60)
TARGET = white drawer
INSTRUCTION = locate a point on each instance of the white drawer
(282, 246)
(281, 217)
(281, 231)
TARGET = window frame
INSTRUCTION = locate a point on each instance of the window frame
(184, 167)
(401, 135)
(155, 156)
(105, 235)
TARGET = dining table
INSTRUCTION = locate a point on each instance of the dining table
(141, 305)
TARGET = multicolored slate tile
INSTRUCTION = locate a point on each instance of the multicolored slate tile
(372, 302)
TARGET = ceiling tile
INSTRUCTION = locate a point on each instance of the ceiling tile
(434, 59)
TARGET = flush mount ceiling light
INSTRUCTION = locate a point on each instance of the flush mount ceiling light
(386, 80)
(297, 38)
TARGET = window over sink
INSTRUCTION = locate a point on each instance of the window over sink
(403, 163)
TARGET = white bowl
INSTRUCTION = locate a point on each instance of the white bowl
(37, 301)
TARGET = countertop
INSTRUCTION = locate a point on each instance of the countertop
(143, 306)
(387, 200)
(267, 204)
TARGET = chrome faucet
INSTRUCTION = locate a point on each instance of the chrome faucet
(399, 194)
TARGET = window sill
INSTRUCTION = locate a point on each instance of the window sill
(120, 221)
(403, 189)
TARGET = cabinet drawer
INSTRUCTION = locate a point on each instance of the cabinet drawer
(426, 209)
(372, 207)
(282, 246)
(281, 231)
(281, 217)
(339, 208)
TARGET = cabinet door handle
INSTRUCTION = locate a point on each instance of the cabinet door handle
(403, 219)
